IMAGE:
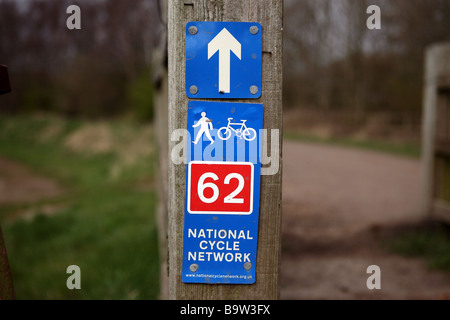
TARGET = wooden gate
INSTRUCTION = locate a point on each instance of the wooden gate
(436, 133)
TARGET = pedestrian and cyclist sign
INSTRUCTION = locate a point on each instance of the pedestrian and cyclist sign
(223, 152)
(222, 192)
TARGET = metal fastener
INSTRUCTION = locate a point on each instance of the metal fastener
(254, 89)
(247, 266)
(194, 267)
(193, 89)
(254, 29)
(193, 30)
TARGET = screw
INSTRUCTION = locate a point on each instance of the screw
(193, 30)
(254, 89)
(194, 267)
(193, 89)
(247, 266)
(254, 29)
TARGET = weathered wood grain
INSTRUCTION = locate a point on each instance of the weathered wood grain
(269, 13)
(434, 130)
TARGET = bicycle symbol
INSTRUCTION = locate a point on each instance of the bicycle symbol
(242, 132)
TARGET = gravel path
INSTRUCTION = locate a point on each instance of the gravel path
(336, 204)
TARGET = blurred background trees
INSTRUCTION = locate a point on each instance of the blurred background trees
(102, 70)
(335, 67)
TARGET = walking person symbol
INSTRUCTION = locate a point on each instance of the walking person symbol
(206, 126)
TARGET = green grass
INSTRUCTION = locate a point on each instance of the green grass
(104, 223)
(401, 149)
(430, 242)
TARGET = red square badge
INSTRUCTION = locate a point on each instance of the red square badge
(220, 187)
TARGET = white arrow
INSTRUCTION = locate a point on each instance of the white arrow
(224, 42)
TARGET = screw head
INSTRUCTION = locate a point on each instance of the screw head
(193, 267)
(254, 89)
(193, 89)
(247, 266)
(193, 30)
(254, 29)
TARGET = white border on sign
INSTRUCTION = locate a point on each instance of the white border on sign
(221, 212)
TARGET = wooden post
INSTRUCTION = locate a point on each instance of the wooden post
(269, 14)
(6, 283)
(436, 133)
(159, 69)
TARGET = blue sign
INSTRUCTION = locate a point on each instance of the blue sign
(223, 60)
(222, 192)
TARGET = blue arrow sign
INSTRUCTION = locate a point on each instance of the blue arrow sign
(223, 60)
(222, 192)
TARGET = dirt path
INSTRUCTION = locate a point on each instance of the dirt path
(19, 184)
(336, 204)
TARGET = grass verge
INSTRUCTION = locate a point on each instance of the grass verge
(105, 220)
(430, 241)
